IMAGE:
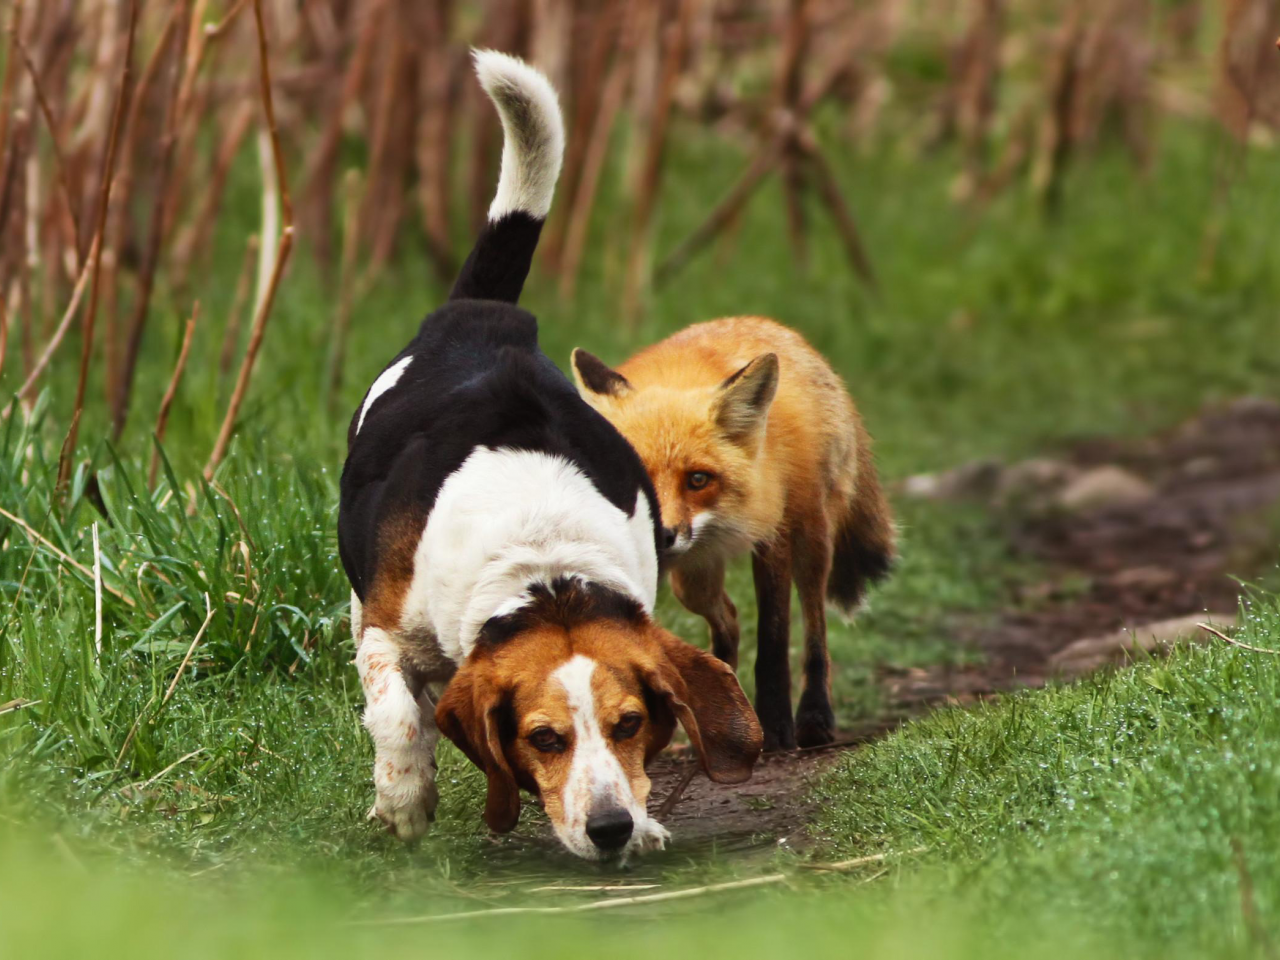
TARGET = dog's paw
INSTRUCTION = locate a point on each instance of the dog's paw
(406, 821)
(649, 835)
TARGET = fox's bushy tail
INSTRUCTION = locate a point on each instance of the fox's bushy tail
(864, 549)
(532, 149)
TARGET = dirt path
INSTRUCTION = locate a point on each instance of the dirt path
(766, 813)
(1202, 507)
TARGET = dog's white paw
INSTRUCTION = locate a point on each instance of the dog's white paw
(650, 835)
(407, 818)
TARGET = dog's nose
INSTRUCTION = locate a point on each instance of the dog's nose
(610, 829)
(668, 538)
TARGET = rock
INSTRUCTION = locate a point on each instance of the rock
(1034, 479)
(974, 480)
(1143, 578)
(1200, 467)
(1105, 486)
(1091, 653)
(1263, 408)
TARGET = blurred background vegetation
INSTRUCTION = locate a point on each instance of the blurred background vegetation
(1008, 223)
(144, 122)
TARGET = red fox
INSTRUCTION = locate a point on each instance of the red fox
(752, 442)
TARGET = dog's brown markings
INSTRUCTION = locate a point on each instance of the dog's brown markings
(421, 660)
(397, 543)
(505, 691)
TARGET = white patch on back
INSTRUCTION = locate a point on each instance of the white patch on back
(386, 380)
(506, 519)
(640, 525)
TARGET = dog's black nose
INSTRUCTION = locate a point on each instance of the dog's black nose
(610, 829)
(668, 538)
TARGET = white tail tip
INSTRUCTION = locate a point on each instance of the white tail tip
(532, 133)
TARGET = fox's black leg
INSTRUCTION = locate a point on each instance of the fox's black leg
(811, 549)
(771, 566)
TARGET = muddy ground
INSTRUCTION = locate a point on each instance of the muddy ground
(1128, 533)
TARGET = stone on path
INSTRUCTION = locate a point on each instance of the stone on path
(1106, 486)
(1091, 653)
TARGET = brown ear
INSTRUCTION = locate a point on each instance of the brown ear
(594, 376)
(742, 405)
(705, 696)
(468, 714)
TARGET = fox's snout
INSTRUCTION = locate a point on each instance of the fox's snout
(677, 539)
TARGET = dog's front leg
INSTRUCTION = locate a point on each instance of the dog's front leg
(404, 739)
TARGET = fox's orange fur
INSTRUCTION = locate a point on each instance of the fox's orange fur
(753, 442)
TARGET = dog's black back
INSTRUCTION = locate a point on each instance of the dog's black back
(476, 378)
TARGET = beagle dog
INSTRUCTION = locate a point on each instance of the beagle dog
(502, 539)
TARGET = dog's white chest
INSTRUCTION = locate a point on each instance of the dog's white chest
(508, 518)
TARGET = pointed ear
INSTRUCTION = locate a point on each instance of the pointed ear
(469, 714)
(705, 696)
(743, 401)
(593, 376)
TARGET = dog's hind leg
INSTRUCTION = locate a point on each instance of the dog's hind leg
(404, 737)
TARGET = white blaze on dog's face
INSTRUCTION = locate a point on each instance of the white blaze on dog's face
(574, 713)
(582, 738)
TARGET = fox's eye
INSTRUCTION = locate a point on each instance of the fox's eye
(698, 479)
(628, 726)
(547, 740)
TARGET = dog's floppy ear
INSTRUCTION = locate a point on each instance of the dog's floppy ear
(469, 714)
(705, 696)
(742, 404)
(594, 376)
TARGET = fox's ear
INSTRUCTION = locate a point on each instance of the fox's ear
(743, 401)
(593, 375)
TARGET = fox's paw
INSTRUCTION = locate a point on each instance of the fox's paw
(815, 722)
(774, 713)
(779, 735)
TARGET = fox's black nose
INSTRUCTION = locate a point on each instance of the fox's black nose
(610, 829)
(668, 538)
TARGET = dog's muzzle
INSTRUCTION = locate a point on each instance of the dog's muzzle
(610, 829)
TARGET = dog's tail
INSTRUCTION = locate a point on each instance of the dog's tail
(532, 148)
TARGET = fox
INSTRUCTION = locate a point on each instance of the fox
(753, 443)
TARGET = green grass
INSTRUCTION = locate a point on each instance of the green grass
(994, 335)
(1091, 820)
(1118, 799)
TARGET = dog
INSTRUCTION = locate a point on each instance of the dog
(753, 443)
(501, 539)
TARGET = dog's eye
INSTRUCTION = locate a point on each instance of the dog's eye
(628, 726)
(547, 740)
(698, 479)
